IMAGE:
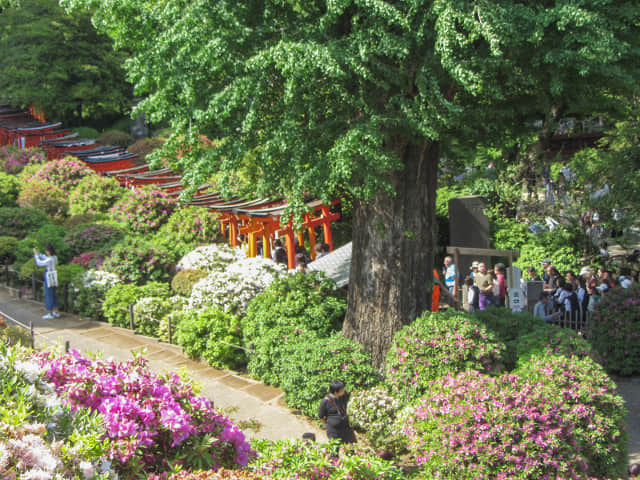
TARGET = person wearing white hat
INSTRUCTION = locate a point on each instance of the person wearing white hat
(625, 282)
(474, 268)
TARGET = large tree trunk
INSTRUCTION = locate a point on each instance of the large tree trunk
(393, 243)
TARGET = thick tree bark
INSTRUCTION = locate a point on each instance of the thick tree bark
(393, 243)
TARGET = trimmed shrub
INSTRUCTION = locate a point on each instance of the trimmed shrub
(143, 210)
(86, 132)
(8, 246)
(9, 190)
(298, 459)
(18, 222)
(65, 173)
(116, 138)
(315, 362)
(120, 296)
(616, 330)
(150, 313)
(184, 281)
(53, 234)
(435, 345)
(186, 228)
(201, 335)
(45, 196)
(75, 220)
(290, 308)
(88, 237)
(374, 412)
(89, 291)
(145, 146)
(553, 340)
(588, 400)
(95, 194)
(13, 159)
(137, 260)
(211, 258)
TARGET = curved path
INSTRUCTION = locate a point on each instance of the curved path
(257, 408)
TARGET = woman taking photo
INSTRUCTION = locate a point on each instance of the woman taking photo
(49, 261)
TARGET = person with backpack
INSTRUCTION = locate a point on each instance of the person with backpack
(49, 261)
(333, 413)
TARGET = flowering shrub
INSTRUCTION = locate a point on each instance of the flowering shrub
(32, 416)
(297, 459)
(374, 412)
(560, 419)
(120, 296)
(186, 228)
(18, 222)
(150, 314)
(64, 173)
(232, 289)
(9, 190)
(92, 236)
(289, 308)
(143, 210)
(616, 330)
(137, 260)
(44, 196)
(13, 335)
(207, 334)
(94, 194)
(434, 345)
(211, 258)
(89, 290)
(13, 159)
(89, 260)
(553, 340)
(588, 401)
(153, 422)
(315, 362)
(183, 282)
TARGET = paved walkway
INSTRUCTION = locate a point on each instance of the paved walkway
(243, 398)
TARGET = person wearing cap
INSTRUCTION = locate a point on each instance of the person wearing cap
(484, 283)
(474, 269)
(546, 263)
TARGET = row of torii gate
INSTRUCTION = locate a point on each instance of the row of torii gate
(243, 221)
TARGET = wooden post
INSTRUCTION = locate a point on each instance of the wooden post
(131, 317)
(456, 262)
(233, 231)
(6, 273)
(326, 228)
(170, 336)
(33, 285)
(291, 250)
(33, 337)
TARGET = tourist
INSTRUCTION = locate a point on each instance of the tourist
(555, 280)
(279, 253)
(501, 295)
(540, 309)
(546, 263)
(333, 413)
(450, 275)
(571, 278)
(604, 277)
(570, 305)
(533, 275)
(49, 261)
(473, 295)
(474, 269)
(484, 282)
(317, 248)
(301, 263)
(326, 248)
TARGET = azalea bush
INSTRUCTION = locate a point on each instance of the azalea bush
(475, 426)
(183, 281)
(298, 459)
(137, 260)
(153, 422)
(118, 298)
(89, 291)
(89, 260)
(9, 190)
(616, 330)
(374, 411)
(435, 345)
(143, 210)
(65, 173)
(315, 362)
(87, 237)
(211, 258)
(186, 228)
(45, 196)
(13, 159)
(211, 334)
(94, 194)
(150, 314)
(8, 246)
(18, 222)
(232, 289)
(553, 340)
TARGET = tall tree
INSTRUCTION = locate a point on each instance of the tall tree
(358, 95)
(59, 63)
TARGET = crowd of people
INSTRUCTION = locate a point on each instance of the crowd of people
(302, 256)
(565, 294)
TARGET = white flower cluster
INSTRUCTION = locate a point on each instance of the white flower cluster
(97, 280)
(374, 411)
(210, 258)
(232, 289)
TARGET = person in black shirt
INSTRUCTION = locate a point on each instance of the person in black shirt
(333, 413)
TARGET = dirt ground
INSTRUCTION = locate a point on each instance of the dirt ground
(629, 388)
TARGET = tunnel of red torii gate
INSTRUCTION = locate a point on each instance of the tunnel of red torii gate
(244, 222)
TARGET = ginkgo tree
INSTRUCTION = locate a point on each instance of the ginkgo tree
(316, 98)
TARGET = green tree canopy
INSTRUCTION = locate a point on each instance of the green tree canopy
(320, 97)
(59, 63)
